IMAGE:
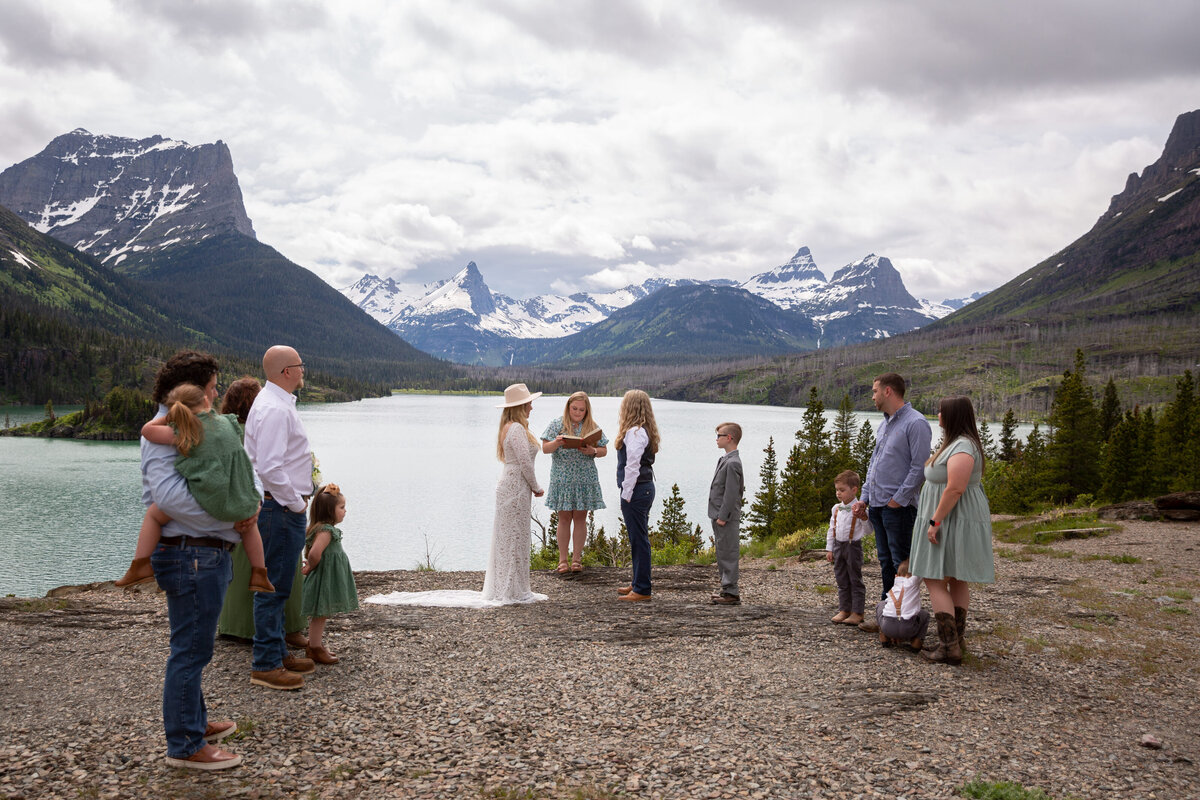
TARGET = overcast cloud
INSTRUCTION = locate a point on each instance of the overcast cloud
(574, 145)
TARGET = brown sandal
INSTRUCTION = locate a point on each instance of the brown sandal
(563, 567)
(577, 566)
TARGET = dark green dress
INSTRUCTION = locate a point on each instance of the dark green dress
(218, 470)
(329, 588)
(237, 615)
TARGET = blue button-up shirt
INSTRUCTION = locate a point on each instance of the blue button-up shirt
(897, 467)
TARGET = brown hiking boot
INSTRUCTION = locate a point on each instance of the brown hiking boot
(299, 664)
(259, 581)
(139, 571)
(278, 678)
(947, 649)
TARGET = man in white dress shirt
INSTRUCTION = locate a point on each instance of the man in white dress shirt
(278, 448)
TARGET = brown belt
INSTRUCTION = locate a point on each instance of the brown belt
(267, 496)
(195, 541)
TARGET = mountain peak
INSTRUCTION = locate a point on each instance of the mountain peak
(122, 199)
(1173, 169)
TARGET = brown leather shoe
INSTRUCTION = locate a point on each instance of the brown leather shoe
(634, 597)
(299, 665)
(320, 655)
(869, 625)
(259, 581)
(625, 590)
(216, 731)
(727, 599)
(853, 619)
(297, 640)
(278, 678)
(207, 758)
(139, 571)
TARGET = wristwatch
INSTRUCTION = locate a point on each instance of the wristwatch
(933, 523)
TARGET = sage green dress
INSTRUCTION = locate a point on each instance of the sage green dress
(329, 587)
(964, 548)
(237, 615)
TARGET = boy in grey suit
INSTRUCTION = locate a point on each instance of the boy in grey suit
(725, 511)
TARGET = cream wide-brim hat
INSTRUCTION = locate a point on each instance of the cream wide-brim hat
(518, 395)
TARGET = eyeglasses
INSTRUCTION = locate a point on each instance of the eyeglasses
(292, 366)
(719, 435)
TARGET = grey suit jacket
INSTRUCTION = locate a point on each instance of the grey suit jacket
(725, 493)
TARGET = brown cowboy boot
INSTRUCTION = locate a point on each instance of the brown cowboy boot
(259, 581)
(960, 626)
(947, 649)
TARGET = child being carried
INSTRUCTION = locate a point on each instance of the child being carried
(219, 476)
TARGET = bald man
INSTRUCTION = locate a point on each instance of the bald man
(278, 448)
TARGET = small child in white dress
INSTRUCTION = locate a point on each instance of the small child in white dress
(901, 618)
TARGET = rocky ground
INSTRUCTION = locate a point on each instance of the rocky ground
(1079, 651)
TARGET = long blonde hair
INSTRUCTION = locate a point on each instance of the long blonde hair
(587, 424)
(514, 414)
(183, 403)
(635, 412)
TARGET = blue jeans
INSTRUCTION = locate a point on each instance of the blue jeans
(194, 579)
(893, 539)
(637, 523)
(282, 534)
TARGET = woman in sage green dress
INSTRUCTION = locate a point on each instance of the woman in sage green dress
(952, 538)
(237, 614)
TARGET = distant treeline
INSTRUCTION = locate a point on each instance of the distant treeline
(1090, 451)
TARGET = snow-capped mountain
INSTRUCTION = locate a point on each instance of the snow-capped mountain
(121, 199)
(462, 319)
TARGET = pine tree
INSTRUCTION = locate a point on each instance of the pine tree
(760, 521)
(985, 438)
(843, 434)
(1150, 480)
(1120, 482)
(864, 448)
(1073, 452)
(1009, 447)
(1179, 450)
(1110, 410)
(795, 494)
(673, 527)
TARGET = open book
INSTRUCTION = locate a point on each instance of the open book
(587, 440)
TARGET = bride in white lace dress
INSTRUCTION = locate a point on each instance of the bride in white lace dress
(507, 579)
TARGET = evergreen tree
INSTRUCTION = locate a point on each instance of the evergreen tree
(1120, 482)
(806, 485)
(1145, 464)
(864, 447)
(1179, 450)
(1073, 452)
(985, 438)
(843, 434)
(1110, 410)
(760, 521)
(673, 527)
(1009, 446)
(795, 497)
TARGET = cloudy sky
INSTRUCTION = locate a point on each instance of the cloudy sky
(567, 145)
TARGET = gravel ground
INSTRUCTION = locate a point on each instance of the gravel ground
(1074, 657)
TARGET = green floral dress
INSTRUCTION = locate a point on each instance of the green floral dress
(329, 588)
(964, 548)
(574, 483)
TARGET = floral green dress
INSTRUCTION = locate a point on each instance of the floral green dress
(574, 483)
(964, 548)
(329, 588)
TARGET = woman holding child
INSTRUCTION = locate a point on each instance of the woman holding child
(952, 538)
(574, 482)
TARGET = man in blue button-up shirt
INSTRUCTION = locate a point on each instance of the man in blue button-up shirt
(894, 477)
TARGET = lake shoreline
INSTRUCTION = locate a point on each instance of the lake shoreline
(584, 696)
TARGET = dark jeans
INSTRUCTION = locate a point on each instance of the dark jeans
(637, 522)
(282, 534)
(893, 539)
(194, 579)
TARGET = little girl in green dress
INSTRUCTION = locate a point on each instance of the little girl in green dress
(328, 582)
(219, 475)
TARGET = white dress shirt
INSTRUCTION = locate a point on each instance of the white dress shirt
(278, 447)
(636, 442)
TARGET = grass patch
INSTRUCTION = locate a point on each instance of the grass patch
(1179, 594)
(1000, 790)
(1177, 610)
(1056, 528)
(1043, 550)
(824, 588)
(245, 727)
(1121, 559)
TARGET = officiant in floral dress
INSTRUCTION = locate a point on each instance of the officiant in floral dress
(574, 482)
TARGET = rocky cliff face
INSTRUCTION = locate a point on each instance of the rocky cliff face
(121, 199)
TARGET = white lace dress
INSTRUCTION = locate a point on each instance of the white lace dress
(507, 579)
